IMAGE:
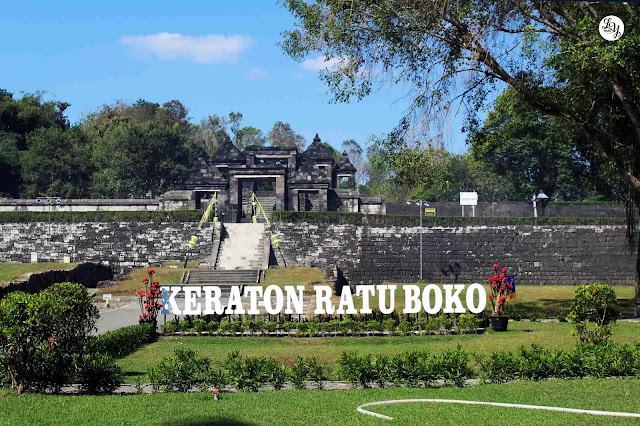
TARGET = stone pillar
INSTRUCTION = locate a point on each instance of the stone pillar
(280, 196)
(233, 200)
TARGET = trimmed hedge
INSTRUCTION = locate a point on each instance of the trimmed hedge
(122, 341)
(337, 218)
(341, 218)
(102, 216)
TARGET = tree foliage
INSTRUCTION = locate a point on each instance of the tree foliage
(282, 134)
(452, 52)
(536, 151)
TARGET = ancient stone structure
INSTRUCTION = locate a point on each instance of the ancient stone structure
(557, 254)
(282, 178)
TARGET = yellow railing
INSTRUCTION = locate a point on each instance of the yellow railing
(257, 207)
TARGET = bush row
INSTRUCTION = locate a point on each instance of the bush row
(414, 368)
(122, 341)
(465, 323)
(102, 216)
(187, 369)
(606, 359)
(341, 218)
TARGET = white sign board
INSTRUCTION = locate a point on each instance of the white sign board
(106, 297)
(468, 198)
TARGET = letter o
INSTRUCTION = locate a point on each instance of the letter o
(482, 298)
(437, 291)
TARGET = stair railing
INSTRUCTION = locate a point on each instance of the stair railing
(205, 217)
(275, 241)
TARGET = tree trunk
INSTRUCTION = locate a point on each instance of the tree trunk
(637, 298)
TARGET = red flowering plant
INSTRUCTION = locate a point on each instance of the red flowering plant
(150, 303)
(500, 290)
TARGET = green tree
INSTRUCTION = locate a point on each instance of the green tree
(537, 151)
(18, 118)
(455, 52)
(282, 134)
(211, 133)
(9, 164)
(355, 152)
(140, 147)
(249, 136)
(133, 158)
(57, 162)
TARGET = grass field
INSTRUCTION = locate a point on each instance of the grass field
(10, 271)
(329, 349)
(335, 407)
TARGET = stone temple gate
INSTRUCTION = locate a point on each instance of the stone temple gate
(281, 177)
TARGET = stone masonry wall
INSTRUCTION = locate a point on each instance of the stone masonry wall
(128, 244)
(558, 254)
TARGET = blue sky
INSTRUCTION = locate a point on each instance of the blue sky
(213, 56)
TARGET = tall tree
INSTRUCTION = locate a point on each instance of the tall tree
(139, 148)
(134, 157)
(18, 118)
(456, 51)
(282, 134)
(536, 151)
(58, 162)
(249, 136)
(355, 152)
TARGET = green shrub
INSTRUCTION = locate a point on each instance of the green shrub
(389, 325)
(453, 366)
(199, 325)
(97, 374)
(40, 334)
(213, 326)
(467, 323)
(123, 341)
(278, 375)
(357, 369)
(596, 303)
(180, 372)
(373, 326)
(170, 327)
(499, 367)
(316, 372)
(405, 327)
(248, 374)
(300, 373)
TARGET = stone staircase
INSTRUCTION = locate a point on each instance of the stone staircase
(223, 279)
(242, 247)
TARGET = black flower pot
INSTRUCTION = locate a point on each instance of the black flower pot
(499, 323)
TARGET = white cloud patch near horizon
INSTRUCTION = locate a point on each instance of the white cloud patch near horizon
(256, 74)
(320, 63)
(207, 49)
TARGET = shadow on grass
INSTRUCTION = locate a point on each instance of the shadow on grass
(203, 421)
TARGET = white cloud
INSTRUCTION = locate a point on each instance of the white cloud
(205, 49)
(320, 63)
(256, 74)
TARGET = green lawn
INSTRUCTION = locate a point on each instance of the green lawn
(329, 349)
(335, 407)
(10, 271)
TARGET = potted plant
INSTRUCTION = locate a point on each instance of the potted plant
(500, 290)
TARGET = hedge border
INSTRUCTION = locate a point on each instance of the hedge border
(102, 216)
(336, 218)
(341, 218)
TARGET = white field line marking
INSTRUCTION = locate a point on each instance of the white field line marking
(495, 404)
